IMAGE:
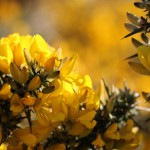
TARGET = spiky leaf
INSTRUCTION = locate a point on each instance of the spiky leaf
(136, 43)
(133, 56)
(133, 19)
(134, 32)
(139, 5)
(139, 68)
(130, 27)
(144, 38)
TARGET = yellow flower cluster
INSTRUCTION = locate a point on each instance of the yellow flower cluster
(45, 105)
(13, 47)
(41, 87)
(122, 139)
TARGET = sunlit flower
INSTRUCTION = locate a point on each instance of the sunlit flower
(28, 100)
(6, 57)
(63, 104)
(68, 66)
(45, 105)
(40, 50)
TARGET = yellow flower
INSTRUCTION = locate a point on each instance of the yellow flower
(6, 57)
(13, 48)
(40, 50)
(53, 111)
(77, 89)
(129, 144)
(39, 131)
(3, 147)
(5, 91)
(13, 40)
(19, 48)
(62, 105)
(26, 41)
(86, 118)
(68, 66)
(28, 100)
(18, 54)
(98, 142)
(126, 131)
(112, 133)
(15, 104)
(81, 121)
(39, 134)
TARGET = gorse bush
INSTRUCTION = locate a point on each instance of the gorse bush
(45, 105)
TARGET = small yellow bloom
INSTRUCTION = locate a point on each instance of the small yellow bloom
(39, 133)
(5, 91)
(68, 66)
(86, 119)
(18, 53)
(28, 100)
(98, 142)
(52, 111)
(130, 144)
(6, 57)
(81, 121)
(13, 40)
(40, 50)
(126, 131)
(26, 41)
(112, 132)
